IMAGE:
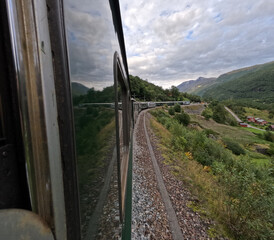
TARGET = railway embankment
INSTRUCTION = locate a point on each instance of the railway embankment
(151, 214)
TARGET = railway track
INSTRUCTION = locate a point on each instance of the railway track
(160, 201)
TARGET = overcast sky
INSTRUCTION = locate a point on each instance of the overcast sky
(170, 41)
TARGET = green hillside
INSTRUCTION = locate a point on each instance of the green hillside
(255, 83)
(143, 90)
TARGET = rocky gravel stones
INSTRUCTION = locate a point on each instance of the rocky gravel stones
(149, 218)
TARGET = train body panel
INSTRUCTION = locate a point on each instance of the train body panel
(66, 155)
(55, 136)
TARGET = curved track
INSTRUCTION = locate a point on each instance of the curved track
(160, 203)
(171, 215)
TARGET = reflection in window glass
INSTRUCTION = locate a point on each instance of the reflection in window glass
(94, 115)
(92, 42)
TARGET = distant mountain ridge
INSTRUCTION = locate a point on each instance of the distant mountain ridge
(256, 82)
(78, 89)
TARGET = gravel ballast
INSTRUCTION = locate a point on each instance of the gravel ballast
(149, 216)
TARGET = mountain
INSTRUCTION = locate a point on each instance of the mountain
(192, 86)
(255, 83)
(78, 89)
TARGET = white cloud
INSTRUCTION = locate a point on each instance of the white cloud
(171, 41)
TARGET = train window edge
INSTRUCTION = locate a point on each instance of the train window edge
(124, 154)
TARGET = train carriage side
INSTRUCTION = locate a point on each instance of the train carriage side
(65, 157)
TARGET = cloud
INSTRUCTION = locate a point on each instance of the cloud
(92, 42)
(168, 42)
(171, 41)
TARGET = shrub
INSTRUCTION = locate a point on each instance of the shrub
(219, 114)
(207, 113)
(183, 118)
(250, 204)
(270, 151)
(177, 108)
(171, 111)
(165, 106)
(209, 131)
(234, 147)
(268, 136)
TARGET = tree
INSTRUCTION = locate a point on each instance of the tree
(175, 93)
(183, 118)
(219, 113)
(171, 111)
(207, 113)
(177, 107)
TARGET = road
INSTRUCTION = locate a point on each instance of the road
(239, 120)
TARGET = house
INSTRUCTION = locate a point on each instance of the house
(260, 121)
(242, 124)
(250, 119)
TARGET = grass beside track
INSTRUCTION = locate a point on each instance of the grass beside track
(233, 190)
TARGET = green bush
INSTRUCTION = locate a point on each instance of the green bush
(183, 118)
(250, 205)
(234, 147)
(177, 108)
(209, 131)
(247, 209)
(270, 151)
(219, 113)
(171, 111)
(178, 142)
(268, 136)
(207, 113)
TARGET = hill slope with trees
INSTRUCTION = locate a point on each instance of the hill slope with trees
(254, 84)
(143, 90)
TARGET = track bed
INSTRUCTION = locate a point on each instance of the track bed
(153, 203)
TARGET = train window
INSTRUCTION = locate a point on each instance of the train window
(100, 103)
(123, 132)
(94, 116)
(93, 94)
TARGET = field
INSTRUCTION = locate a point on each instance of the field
(246, 137)
(236, 133)
(258, 113)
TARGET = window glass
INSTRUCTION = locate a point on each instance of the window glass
(92, 41)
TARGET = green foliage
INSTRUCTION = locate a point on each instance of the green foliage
(144, 91)
(250, 204)
(178, 142)
(270, 151)
(210, 132)
(248, 194)
(177, 108)
(268, 136)
(183, 118)
(207, 113)
(256, 85)
(94, 96)
(171, 111)
(91, 140)
(237, 109)
(219, 113)
(234, 147)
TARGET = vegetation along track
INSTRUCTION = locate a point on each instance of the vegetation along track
(160, 201)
